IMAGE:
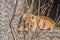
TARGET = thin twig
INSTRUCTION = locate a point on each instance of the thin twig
(58, 18)
(11, 21)
(38, 19)
(31, 7)
(26, 3)
(57, 12)
(41, 7)
(49, 9)
(44, 10)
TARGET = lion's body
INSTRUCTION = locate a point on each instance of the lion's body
(32, 21)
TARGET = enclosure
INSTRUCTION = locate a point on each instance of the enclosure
(11, 16)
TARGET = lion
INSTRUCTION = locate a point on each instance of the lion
(33, 22)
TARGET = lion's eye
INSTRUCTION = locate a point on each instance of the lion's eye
(31, 26)
(32, 17)
(24, 20)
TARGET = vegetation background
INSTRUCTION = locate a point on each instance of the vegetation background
(11, 12)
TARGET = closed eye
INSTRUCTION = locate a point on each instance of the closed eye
(31, 26)
(32, 17)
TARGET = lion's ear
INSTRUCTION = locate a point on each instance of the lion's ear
(25, 11)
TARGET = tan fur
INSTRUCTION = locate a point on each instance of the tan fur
(31, 21)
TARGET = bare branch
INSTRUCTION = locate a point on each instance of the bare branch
(12, 32)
